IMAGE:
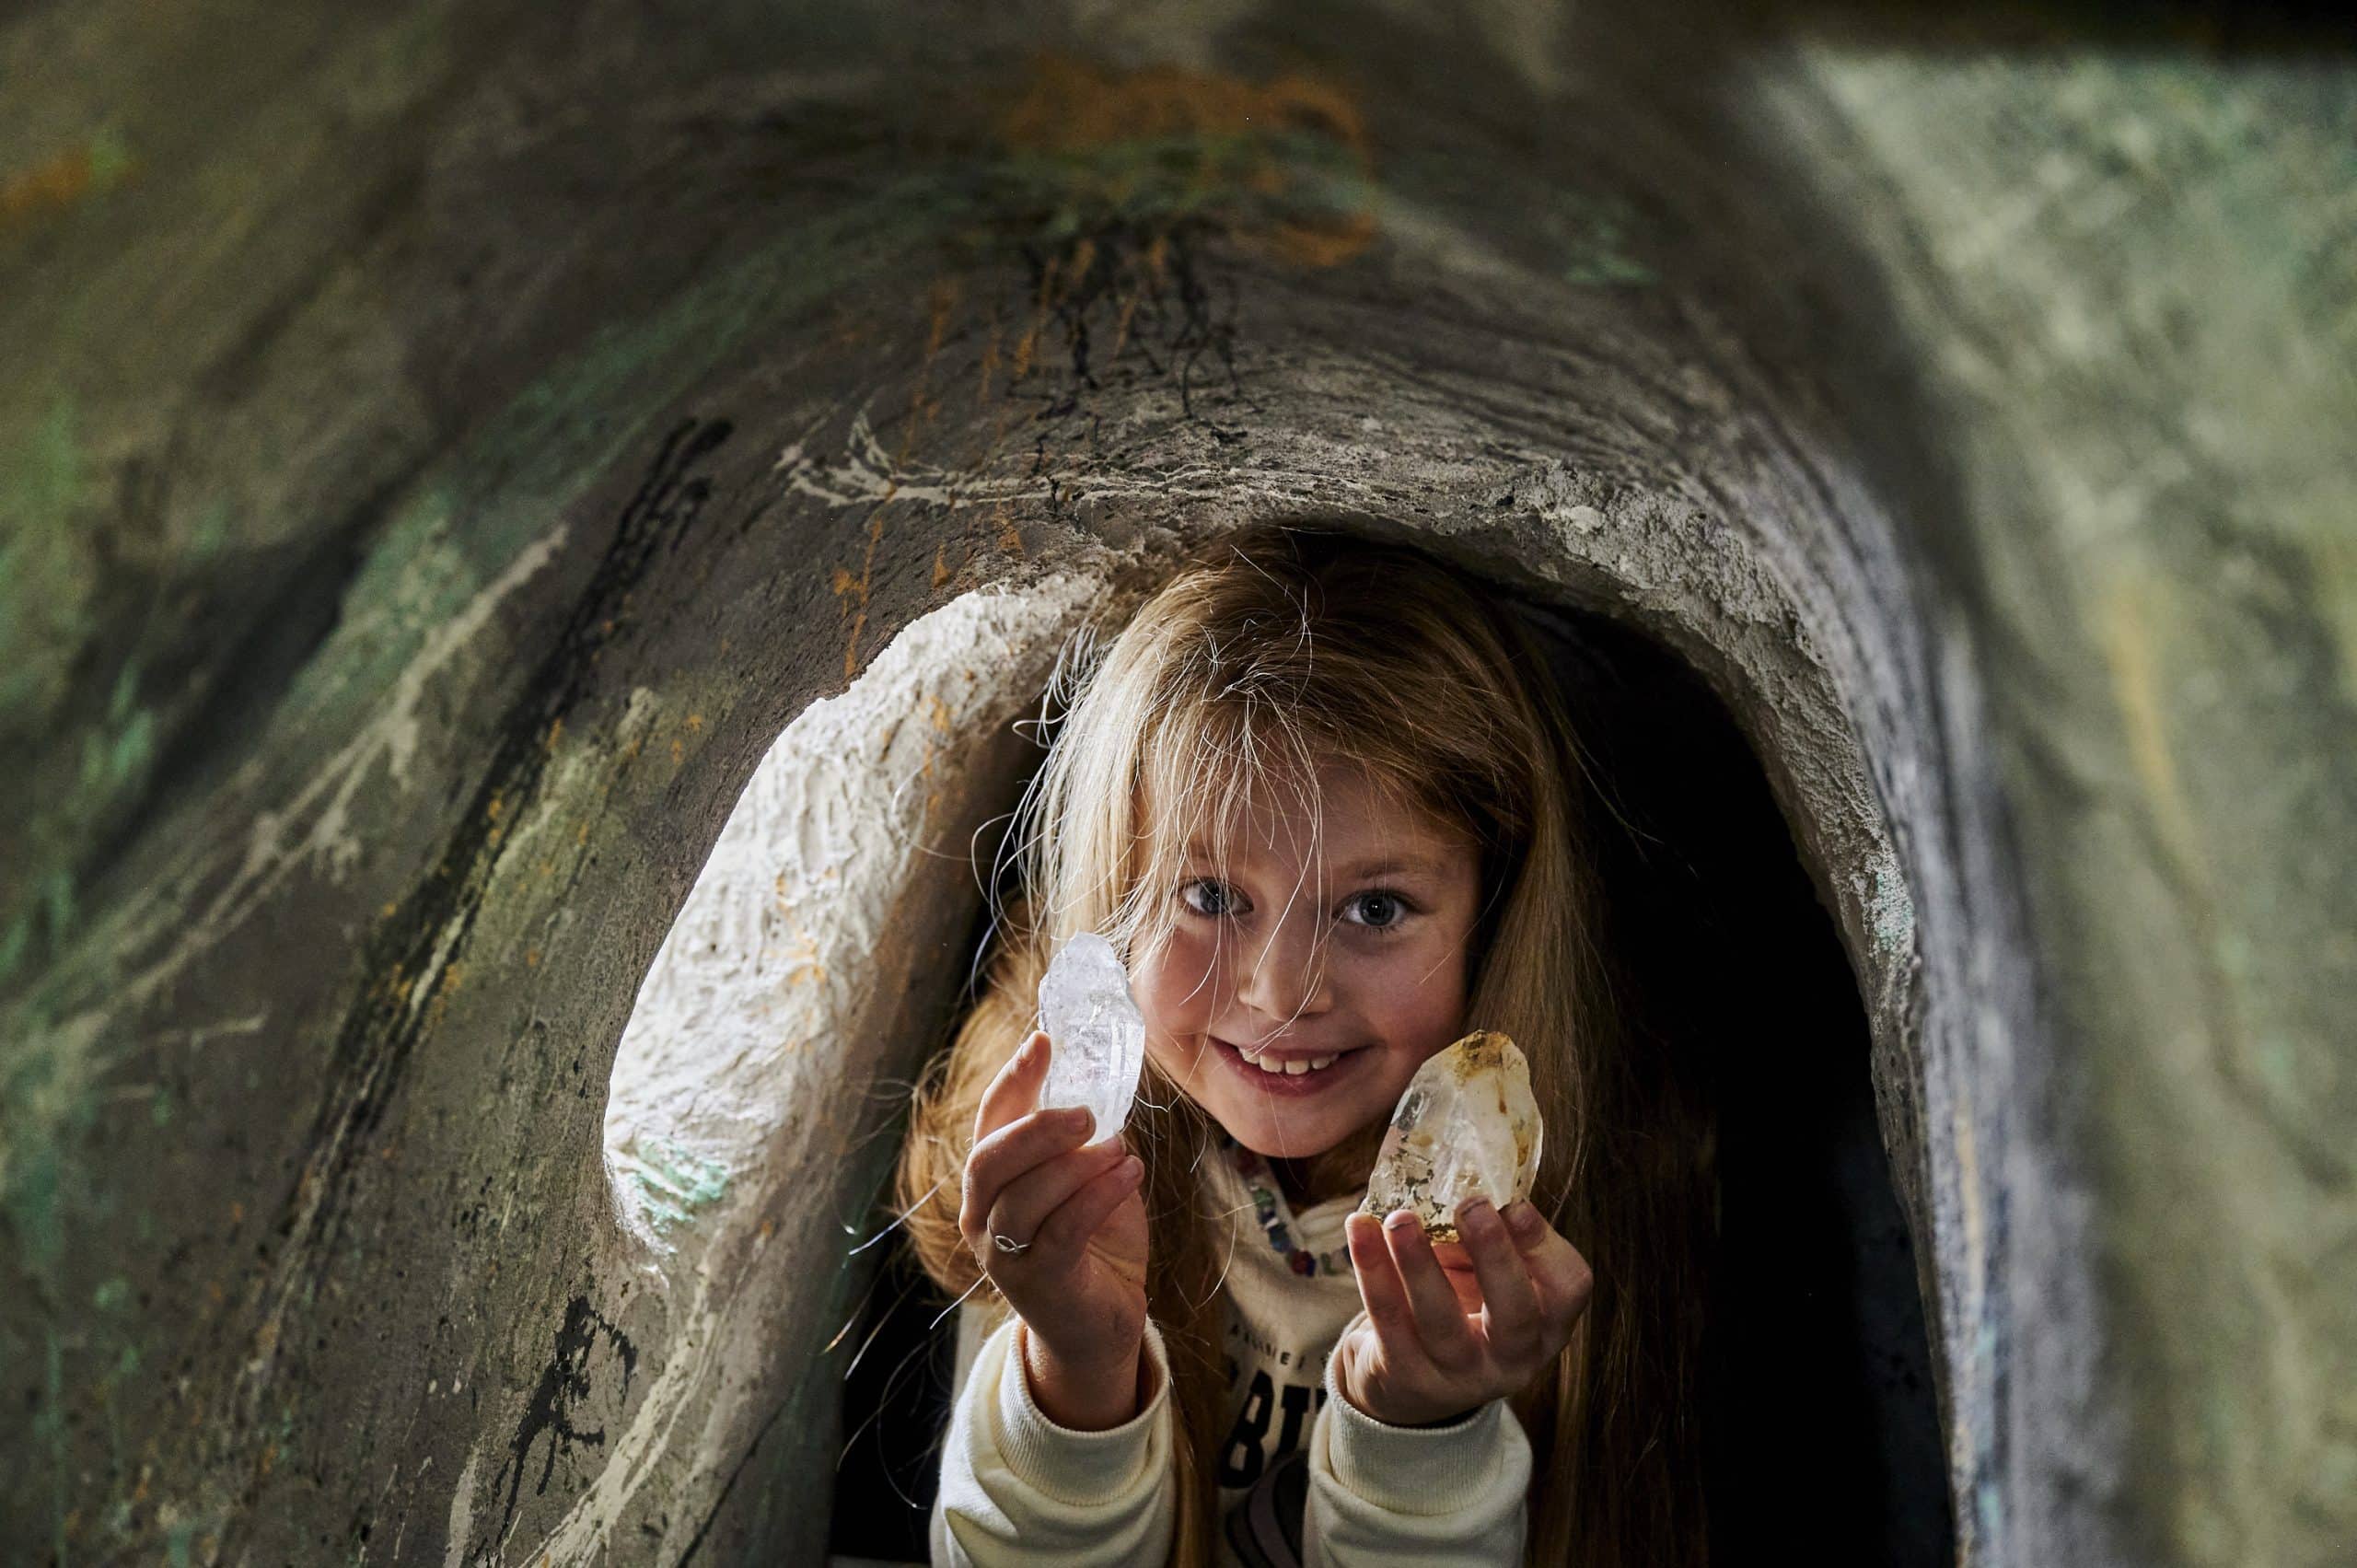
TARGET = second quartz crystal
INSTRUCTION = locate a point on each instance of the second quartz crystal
(1467, 1125)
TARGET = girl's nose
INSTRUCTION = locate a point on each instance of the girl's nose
(1284, 976)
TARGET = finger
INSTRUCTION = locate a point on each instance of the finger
(1440, 1321)
(1027, 1200)
(1560, 1277)
(1457, 1266)
(1014, 1149)
(1509, 1300)
(1381, 1291)
(1015, 1090)
(1070, 1224)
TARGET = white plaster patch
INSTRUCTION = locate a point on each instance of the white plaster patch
(769, 947)
(462, 1514)
(770, 956)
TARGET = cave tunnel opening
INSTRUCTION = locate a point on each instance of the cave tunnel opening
(1819, 1403)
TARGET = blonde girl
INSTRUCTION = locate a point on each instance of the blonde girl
(1321, 793)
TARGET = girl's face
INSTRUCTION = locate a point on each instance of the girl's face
(1235, 983)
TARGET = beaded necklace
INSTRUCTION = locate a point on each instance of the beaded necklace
(1273, 1216)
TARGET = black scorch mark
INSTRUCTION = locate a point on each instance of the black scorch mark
(563, 1383)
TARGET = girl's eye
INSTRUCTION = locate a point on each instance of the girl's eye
(1377, 911)
(1217, 893)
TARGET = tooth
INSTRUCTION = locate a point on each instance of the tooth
(1293, 1068)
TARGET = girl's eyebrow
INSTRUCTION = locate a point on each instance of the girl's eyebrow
(1382, 865)
(1394, 866)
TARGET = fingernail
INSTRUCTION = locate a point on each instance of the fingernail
(1476, 1211)
(1400, 1219)
(1524, 1217)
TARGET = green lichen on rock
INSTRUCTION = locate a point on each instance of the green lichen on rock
(669, 1182)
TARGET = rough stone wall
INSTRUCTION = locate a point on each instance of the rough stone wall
(447, 448)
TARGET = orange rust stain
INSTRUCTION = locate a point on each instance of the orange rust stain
(695, 724)
(1009, 537)
(944, 297)
(1028, 343)
(389, 911)
(678, 752)
(237, 1212)
(849, 589)
(531, 958)
(1072, 106)
(1122, 323)
(556, 732)
(56, 184)
(940, 565)
(990, 364)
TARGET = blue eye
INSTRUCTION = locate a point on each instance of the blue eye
(1219, 893)
(1380, 898)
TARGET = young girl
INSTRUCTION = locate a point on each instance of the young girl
(1322, 795)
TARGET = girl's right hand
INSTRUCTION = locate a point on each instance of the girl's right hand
(1079, 1285)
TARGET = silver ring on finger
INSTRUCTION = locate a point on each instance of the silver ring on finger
(1009, 1244)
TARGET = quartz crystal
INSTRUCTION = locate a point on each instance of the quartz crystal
(1096, 1034)
(1467, 1125)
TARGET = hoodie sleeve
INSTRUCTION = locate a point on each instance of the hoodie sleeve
(1017, 1488)
(1383, 1495)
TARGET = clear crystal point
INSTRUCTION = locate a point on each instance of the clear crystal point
(1096, 1034)
(1467, 1124)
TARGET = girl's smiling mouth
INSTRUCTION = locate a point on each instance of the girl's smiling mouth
(1298, 1077)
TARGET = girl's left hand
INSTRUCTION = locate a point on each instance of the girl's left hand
(1450, 1326)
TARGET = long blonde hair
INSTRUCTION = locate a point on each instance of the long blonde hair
(1270, 647)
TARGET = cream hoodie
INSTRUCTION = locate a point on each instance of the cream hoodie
(1305, 1478)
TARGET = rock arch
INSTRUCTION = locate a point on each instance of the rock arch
(562, 413)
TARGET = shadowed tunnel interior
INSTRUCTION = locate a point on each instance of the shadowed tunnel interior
(1818, 1391)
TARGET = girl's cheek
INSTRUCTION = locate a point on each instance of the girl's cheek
(1177, 992)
